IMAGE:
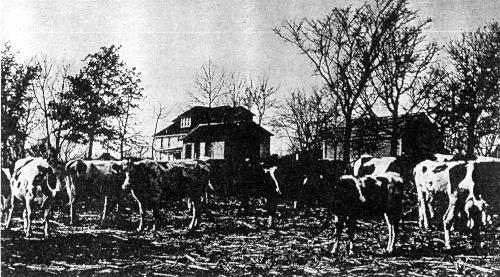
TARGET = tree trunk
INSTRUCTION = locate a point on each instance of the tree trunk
(91, 146)
(395, 134)
(122, 142)
(346, 155)
(471, 136)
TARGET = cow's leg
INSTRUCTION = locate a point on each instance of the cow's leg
(448, 218)
(391, 233)
(46, 217)
(272, 207)
(72, 219)
(141, 212)
(104, 210)
(422, 215)
(9, 212)
(339, 226)
(28, 217)
(156, 215)
(194, 207)
(351, 227)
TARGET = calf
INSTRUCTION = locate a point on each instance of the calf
(370, 196)
(94, 179)
(35, 182)
(150, 182)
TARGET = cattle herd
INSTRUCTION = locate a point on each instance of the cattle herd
(449, 192)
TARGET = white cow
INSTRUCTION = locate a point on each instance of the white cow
(37, 183)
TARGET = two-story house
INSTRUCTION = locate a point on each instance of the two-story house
(212, 133)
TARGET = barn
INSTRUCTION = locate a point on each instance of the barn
(222, 132)
(418, 136)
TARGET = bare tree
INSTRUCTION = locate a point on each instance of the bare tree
(345, 48)
(47, 91)
(160, 112)
(238, 93)
(467, 106)
(306, 120)
(132, 92)
(401, 81)
(211, 85)
(263, 96)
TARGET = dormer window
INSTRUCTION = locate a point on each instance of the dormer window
(185, 122)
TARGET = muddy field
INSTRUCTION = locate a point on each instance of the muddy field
(231, 243)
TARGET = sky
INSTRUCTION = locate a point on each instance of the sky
(168, 41)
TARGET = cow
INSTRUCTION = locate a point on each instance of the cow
(467, 188)
(431, 181)
(35, 182)
(152, 182)
(371, 196)
(6, 192)
(245, 179)
(95, 179)
(313, 185)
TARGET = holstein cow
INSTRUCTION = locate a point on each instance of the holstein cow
(432, 180)
(35, 182)
(95, 179)
(369, 196)
(6, 192)
(152, 182)
(470, 188)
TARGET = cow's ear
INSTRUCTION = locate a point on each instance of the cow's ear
(117, 168)
(81, 167)
(45, 170)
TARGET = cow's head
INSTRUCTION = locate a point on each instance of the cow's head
(271, 171)
(50, 177)
(127, 167)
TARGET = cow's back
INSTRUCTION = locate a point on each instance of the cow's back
(486, 179)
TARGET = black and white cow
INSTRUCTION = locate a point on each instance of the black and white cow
(468, 187)
(94, 179)
(36, 183)
(371, 196)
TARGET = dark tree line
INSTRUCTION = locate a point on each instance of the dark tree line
(95, 104)
(378, 54)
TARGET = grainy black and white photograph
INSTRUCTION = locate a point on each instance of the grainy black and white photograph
(250, 138)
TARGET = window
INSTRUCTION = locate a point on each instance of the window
(185, 122)
(188, 151)
(208, 149)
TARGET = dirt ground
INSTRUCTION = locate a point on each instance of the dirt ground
(231, 243)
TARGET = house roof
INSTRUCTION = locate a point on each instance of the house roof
(213, 115)
(219, 131)
(221, 113)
